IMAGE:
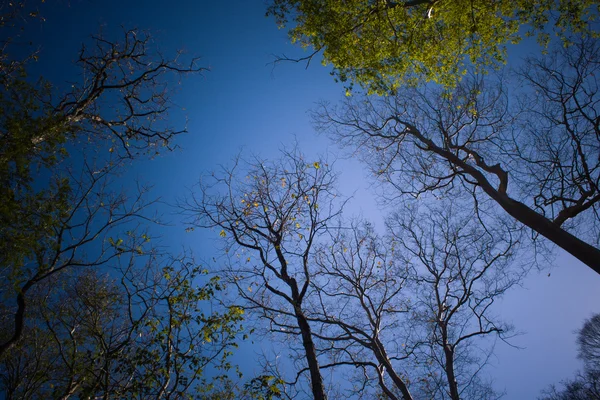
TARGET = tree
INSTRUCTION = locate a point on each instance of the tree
(535, 156)
(384, 44)
(114, 113)
(458, 270)
(361, 307)
(586, 385)
(588, 341)
(271, 214)
(136, 330)
(412, 310)
(405, 310)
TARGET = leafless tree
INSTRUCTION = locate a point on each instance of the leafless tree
(361, 308)
(124, 94)
(413, 310)
(271, 215)
(534, 154)
(458, 270)
(588, 341)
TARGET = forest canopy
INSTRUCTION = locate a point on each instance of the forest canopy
(143, 254)
(382, 45)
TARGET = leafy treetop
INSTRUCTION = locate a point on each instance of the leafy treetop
(382, 44)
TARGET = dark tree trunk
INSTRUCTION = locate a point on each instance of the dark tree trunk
(383, 359)
(316, 379)
(584, 252)
(449, 355)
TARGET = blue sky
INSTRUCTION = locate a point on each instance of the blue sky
(245, 103)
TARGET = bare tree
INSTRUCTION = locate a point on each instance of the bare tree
(361, 308)
(458, 270)
(588, 341)
(585, 386)
(413, 310)
(124, 95)
(271, 215)
(535, 156)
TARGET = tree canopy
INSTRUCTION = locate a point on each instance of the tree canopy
(384, 44)
(94, 304)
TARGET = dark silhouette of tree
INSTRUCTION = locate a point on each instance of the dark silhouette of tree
(588, 342)
(136, 330)
(361, 309)
(534, 156)
(55, 209)
(271, 215)
(458, 270)
(405, 311)
(409, 310)
(586, 384)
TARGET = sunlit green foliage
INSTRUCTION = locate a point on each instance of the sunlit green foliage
(381, 44)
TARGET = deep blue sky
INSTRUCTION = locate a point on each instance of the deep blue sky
(245, 103)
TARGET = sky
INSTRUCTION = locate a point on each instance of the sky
(246, 103)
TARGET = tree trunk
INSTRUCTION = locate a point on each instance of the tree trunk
(316, 379)
(584, 252)
(449, 367)
(19, 319)
(383, 359)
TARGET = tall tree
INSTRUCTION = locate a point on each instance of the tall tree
(114, 113)
(588, 341)
(384, 44)
(271, 215)
(459, 269)
(362, 309)
(535, 156)
(135, 330)
(412, 311)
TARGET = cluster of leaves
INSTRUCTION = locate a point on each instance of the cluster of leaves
(152, 332)
(29, 210)
(384, 44)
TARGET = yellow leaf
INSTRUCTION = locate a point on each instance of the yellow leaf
(316, 165)
(222, 233)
